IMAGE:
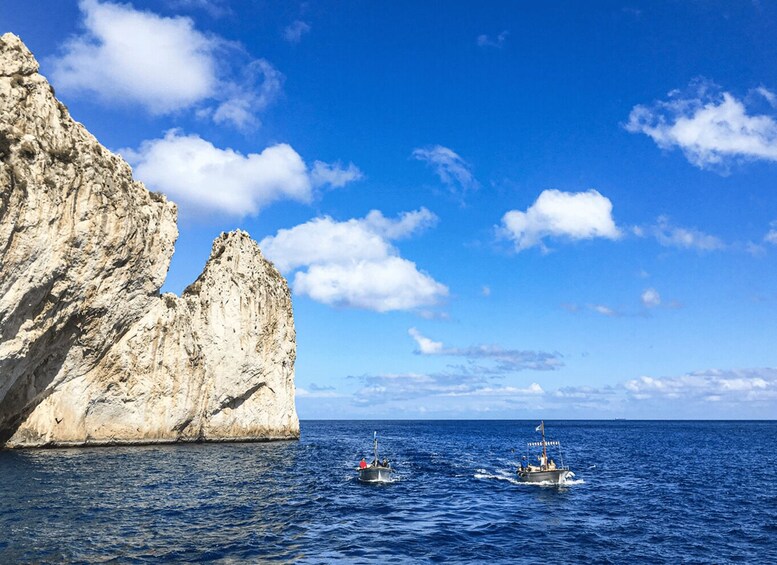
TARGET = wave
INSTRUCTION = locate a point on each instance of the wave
(483, 474)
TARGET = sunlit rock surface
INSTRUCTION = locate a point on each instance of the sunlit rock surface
(90, 353)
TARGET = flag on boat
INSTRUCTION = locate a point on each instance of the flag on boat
(539, 428)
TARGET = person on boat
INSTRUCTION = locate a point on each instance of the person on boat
(552, 465)
(363, 463)
(543, 461)
(385, 463)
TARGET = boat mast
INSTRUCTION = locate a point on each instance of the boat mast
(544, 449)
(376, 447)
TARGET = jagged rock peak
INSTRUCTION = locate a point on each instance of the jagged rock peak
(90, 353)
(15, 58)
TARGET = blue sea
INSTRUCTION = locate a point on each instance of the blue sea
(692, 492)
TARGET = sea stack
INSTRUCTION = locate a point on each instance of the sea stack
(90, 352)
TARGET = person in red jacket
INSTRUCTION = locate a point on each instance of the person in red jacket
(363, 463)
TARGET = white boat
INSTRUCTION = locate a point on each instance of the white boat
(376, 472)
(546, 471)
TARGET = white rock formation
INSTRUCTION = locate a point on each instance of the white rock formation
(90, 353)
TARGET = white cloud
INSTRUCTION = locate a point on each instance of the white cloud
(486, 41)
(294, 31)
(425, 345)
(669, 235)
(650, 298)
(353, 264)
(261, 84)
(506, 360)
(406, 225)
(214, 8)
(379, 389)
(769, 96)
(316, 392)
(603, 310)
(324, 240)
(333, 174)
(711, 127)
(771, 235)
(204, 178)
(743, 385)
(572, 215)
(392, 283)
(453, 171)
(161, 63)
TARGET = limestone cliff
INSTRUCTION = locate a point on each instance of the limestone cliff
(90, 353)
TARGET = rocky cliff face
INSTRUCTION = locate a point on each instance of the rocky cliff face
(90, 353)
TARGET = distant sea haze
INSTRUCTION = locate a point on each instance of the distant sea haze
(692, 492)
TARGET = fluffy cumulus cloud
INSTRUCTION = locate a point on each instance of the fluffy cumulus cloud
(294, 31)
(454, 172)
(203, 178)
(713, 128)
(570, 215)
(505, 360)
(670, 235)
(354, 264)
(163, 64)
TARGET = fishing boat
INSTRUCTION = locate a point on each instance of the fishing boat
(376, 472)
(546, 471)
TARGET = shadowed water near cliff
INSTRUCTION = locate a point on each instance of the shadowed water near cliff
(644, 491)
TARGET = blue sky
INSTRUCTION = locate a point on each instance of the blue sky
(484, 210)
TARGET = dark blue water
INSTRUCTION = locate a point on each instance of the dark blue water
(696, 492)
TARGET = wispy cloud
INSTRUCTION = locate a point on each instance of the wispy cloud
(604, 310)
(334, 174)
(771, 235)
(568, 215)
(670, 235)
(720, 392)
(353, 263)
(163, 64)
(506, 360)
(214, 8)
(454, 172)
(294, 31)
(379, 389)
(712, 127)
(497, 42)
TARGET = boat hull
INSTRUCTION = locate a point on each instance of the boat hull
(375, 474)
(555, 476)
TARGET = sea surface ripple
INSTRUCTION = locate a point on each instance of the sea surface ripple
(696, 492)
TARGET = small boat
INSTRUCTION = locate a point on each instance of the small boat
(376, 472)
(547, 471)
